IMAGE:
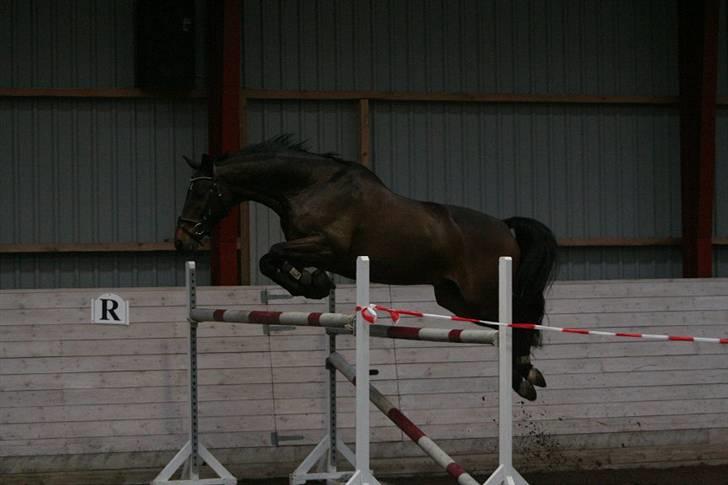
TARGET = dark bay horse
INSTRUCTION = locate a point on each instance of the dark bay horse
(332, 211)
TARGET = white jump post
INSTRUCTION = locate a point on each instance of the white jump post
(505, 473)
(363, 475)
(193, 453)
(326, 449)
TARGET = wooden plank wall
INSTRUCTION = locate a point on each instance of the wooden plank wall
(78, 397)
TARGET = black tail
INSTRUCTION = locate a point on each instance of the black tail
(536, 270)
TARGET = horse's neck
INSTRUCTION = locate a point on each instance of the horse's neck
(271, 182)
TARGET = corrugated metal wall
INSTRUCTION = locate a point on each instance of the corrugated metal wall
(88, 170)
(589, 171)
(74, 43)
(723, 49)
(524, 46)
(94, 171)
(67, 43)
(586, 171)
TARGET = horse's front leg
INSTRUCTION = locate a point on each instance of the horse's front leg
(287, 264)
(306, 251)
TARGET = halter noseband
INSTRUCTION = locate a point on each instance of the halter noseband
(200, 228)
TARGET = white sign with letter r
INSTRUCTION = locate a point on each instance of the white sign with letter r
(111, 309)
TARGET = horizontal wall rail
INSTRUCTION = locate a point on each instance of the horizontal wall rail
(294, 95)
(164, 246)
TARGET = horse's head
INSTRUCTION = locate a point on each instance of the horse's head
(205, 205)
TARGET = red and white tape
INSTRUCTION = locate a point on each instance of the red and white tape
(370, 315)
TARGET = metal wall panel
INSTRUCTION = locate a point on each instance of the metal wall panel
(94, 171)
(98, 270)
(555, 162)
(586, 171)
(74, 43)
(524, 46)
(723, 49)
(617, 165)
(67, 43)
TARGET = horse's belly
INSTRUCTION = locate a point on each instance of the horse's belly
(395, 263)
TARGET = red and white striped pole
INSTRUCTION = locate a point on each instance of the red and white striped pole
(402, 422)
(259, 317)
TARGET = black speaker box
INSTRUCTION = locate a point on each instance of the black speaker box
(165, 44)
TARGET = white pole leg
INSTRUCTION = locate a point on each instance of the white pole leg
(193, 453)
(363, 473)
(505, 473)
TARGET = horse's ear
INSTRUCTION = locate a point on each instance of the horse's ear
(207, 163)
(192, 164)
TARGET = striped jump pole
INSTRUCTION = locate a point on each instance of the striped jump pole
(402, 422)
(362, 326)
(343, 323)
(399, 332)
(435, 334)
(257, 317)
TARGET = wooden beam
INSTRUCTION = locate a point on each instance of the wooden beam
(164, 246)
(619, 242)
(698, 53)
(263, 94)
(99, 93)
(118, 247)
(456, 97)
(224, 124)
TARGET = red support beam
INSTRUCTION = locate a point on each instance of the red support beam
(698, 53)
(224, 124)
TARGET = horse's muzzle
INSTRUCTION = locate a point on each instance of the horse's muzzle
(183, 241)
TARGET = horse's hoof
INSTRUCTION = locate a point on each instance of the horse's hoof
(319, 284)
(526, 391)
(536, 378)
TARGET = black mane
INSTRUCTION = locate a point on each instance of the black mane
(278, 144)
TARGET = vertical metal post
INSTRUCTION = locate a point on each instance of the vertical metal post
(505, 473)
(223, 114)
(362, 367)
(331, 393)
(193, 454)
(505, 344)
(698, 29)
(191, 282)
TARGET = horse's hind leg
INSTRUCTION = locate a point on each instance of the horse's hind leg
(485, 307)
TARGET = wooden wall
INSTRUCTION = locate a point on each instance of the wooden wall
(79, 397)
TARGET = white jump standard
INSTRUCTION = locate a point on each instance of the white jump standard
(325, 453)
(193, 453)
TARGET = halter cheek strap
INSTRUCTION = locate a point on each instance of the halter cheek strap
(197, 232)
(200, 227)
